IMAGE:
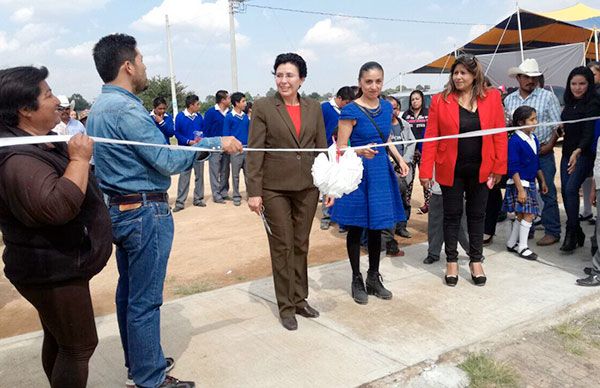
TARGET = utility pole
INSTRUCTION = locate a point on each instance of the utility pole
(171, 71)
(235, 6)
(520, 32)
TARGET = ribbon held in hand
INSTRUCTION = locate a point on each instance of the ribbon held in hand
(334, 175)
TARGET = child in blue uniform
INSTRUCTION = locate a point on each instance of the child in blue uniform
(521, 193)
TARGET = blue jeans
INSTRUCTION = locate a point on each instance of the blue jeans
(571, 185)
(143, 238)
(550, 215)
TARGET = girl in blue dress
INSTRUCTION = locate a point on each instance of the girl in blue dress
(376, 203)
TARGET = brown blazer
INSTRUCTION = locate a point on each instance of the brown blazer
(272, 127)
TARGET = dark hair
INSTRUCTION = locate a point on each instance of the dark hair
(159, 100)
(191, 99)
(345, 93)
(589, 77)
(594, 65)
(248, 107)
(292, 58)
(355, 90)
(470, 62)
(221, 95)
(420, 93)
(392, 98)
(19, 89)
(237, 97)
(111, 52)
(522, 113)
(363, 69)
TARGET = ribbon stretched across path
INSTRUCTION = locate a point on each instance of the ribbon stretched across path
(22, 140)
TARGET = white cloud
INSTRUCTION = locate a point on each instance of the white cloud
(477, 30)
(434, 7)
(153, 59)
(6, 43)
(308, 54)
(22, 15)
(55, 7)
(188, 14)
(326, 32)
(80, 51)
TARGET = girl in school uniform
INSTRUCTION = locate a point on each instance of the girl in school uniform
(521, 193)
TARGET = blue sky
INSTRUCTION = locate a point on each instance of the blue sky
(60, 35)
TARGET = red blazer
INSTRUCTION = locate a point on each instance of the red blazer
(443, 120)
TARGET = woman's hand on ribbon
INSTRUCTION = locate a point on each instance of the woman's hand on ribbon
(368, 153)
(426, 183)
(231, 145)
(329, 201)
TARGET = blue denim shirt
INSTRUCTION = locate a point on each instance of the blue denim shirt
(119, 114)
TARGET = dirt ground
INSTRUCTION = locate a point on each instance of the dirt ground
(214, 246)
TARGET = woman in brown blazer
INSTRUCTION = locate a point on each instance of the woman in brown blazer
(280, 183)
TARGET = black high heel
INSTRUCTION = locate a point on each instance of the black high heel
(478, 280)
(451, 280)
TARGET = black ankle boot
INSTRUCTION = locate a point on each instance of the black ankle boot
(570, 242)
(359, 294)
(375, 287)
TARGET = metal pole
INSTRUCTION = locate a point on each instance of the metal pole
(171, 71)
(596, 42)
(234, 78)
(520, 32)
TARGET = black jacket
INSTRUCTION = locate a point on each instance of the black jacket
(39, 251)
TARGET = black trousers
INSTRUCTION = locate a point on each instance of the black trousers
(467, 186)
(67, 317)
(494, 206)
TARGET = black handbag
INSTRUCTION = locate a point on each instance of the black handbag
(396, 162)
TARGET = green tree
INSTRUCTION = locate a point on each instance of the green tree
(80, 102)
(315, 96)
(208, 103)
(161, 86)
(271, 92)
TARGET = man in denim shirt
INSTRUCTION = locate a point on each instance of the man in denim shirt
(136, 180)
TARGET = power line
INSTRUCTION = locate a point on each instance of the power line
(363, 17)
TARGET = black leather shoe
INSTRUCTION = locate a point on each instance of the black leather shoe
(451, 280)
(289, 323)
(430, 260)
(590, 281)
(570, 242)
(478, 280)
(172, 382)
(588, 270)
(307, 312)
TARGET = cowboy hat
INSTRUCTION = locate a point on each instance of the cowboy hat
(64, 102)
(528, 67)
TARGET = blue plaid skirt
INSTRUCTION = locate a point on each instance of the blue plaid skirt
(511, 205)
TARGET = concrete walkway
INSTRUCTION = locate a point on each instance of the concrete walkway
(231, 337)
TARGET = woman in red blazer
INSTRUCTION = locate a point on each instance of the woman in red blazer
(465, 167)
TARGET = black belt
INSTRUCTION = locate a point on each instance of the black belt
(137, 198)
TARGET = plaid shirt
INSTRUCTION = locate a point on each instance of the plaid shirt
(546, 105)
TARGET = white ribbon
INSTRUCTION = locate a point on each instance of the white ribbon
(21, 140)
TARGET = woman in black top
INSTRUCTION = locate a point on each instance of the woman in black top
(54, 222)
(577, 157)
(416, 115)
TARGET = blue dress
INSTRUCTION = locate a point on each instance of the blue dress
(376, 203)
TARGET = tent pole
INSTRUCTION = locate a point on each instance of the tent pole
(596, 42)
(520, 32)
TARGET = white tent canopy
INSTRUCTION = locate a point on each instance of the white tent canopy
(555, 63)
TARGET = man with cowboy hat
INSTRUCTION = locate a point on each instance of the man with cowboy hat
(67, 125)
(548, 110)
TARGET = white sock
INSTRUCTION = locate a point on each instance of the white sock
(523, 234)
(514, 234)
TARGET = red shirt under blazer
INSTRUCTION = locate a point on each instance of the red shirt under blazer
(444, 120)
